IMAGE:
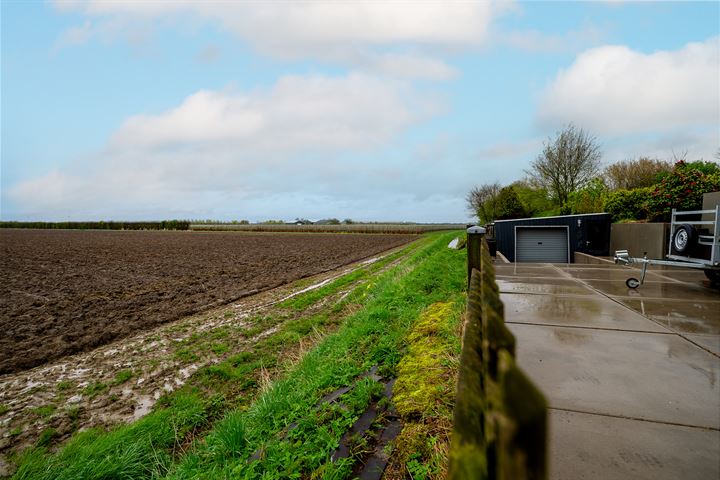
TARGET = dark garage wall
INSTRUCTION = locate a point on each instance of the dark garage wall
(589, 233)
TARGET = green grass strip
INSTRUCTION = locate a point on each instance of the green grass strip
(301, 302)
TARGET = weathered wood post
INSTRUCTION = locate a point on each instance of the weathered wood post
(474, 248)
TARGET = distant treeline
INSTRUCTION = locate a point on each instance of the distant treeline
(331, 228)
(110, 225)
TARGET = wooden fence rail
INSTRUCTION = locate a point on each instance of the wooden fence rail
(500, 417)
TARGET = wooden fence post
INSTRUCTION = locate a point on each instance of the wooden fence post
(474, 250)
(500, 417)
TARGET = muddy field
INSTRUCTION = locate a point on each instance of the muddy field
(63, 292)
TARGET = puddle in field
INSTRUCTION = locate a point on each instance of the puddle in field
(310, 288)
(369, 261)
(87, 390)
(143, 406)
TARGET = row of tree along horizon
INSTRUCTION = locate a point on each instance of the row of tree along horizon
(568, 177)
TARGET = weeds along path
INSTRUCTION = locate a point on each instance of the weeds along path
(277, 385)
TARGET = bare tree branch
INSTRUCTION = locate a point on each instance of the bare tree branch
(566, 163)
(483, 201)
(630, 174)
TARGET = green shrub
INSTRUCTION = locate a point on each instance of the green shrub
(535, 200)
(590, 198)
(509, 204)
(683, 189)
(628, 204)
(706, 168)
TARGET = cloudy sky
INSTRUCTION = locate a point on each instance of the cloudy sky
(365, 109)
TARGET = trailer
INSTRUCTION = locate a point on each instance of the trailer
(694, 243)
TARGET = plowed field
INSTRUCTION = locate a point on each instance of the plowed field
(63, 292)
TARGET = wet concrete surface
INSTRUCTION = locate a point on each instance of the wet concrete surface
(708, 342)
(515, 270)
(606, 274)
(573, 311)
(541, 285)
(632, 376)
(694, 276)
(597, 446)
(660, 289)
(682, 316)
(650, 376)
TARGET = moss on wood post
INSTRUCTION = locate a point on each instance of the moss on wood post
(500, 417)
(467, 457)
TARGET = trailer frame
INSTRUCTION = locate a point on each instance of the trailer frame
(683, 235)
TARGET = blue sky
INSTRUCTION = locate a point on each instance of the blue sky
(374, 111)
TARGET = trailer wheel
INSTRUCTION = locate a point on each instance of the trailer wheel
(632, 283)
(684, 238)
(713, 276)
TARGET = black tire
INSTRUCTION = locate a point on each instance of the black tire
(684, 239)
(713, 276)
(632, 283)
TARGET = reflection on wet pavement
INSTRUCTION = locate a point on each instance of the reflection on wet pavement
(579, 311)
(615, 275)
(682, 316)
(513, 270)
(541, 285)
(667, 289)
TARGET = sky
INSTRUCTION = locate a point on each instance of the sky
(376, 111)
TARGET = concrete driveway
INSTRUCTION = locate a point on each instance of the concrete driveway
(632, 376)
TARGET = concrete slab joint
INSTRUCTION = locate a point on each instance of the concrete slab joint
(632, 377)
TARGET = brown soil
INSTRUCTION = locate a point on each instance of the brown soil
(64, 292)
(56, 397)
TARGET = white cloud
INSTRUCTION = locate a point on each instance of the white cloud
(694, 145)
(408, 66)
(315, 24)
(298, 112)
(358, 34)
(305, 134)
(537, 41)
(615, 90)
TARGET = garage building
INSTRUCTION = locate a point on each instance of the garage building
(553, 239)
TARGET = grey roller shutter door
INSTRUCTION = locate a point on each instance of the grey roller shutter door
(541, 244)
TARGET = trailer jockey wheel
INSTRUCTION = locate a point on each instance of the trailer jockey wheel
(684, 238)
(632, 282)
